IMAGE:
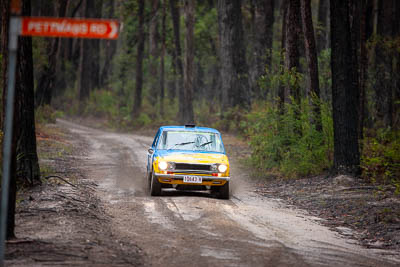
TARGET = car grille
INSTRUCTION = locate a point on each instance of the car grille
(194, 167)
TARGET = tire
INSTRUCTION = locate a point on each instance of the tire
(155, 186)
(224, 191)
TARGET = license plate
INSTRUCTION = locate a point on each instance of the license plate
(192, 179)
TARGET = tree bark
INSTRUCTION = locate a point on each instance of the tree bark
(173, 83)
(154, 53)
(47, 80)
(110, 50)
(61, 75)
(89, 68)
(345, 92)
(188, 116)
(137, 105)
(312, 61)
(262, 39)
(322, 30)
(281, 89)
(292, 49)
(396, 106)
(175, 15)
(94, 10)
(383, 64)
(5, 17)
(28, 171)
(363, 67)
(162, 56)
(234, 69)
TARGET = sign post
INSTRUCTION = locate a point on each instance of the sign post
(8, 127)
(46, 27)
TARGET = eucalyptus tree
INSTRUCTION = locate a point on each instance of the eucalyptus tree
(345, 91)
(188, 115)
(233, 65)
(312, 61)
(137, 105)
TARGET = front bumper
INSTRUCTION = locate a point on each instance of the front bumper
(207, 180)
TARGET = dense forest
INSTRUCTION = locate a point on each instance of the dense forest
(312, 85)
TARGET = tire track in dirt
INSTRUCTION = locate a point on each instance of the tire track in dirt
(195, 229)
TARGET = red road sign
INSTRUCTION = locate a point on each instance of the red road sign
(67, 27)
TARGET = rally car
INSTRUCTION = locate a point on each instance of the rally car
(188, 158)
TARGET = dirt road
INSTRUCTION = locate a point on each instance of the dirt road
(194, 229)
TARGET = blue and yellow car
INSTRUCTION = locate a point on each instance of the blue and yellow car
(188, 158)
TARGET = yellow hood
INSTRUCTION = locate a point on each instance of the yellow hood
(195, 158)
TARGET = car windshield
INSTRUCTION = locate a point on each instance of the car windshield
(190, 140)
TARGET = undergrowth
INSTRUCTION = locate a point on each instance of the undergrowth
(289, 144)
(380, 161)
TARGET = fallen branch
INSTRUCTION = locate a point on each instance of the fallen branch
(71, 198)
(62, 179)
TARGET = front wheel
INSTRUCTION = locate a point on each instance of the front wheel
(224, 191)
(155, 186)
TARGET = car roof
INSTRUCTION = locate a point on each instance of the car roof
(190, 128)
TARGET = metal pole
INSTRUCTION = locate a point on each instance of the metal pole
(8, 125)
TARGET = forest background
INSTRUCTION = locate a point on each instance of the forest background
(313, 86)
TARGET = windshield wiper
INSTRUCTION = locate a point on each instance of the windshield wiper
(204, 144)
(181, 144)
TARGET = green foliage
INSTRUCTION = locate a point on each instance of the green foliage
(325, 75)
(102, 103)
(46, 114)
(288, 143)
(380, 160)
(142, 120)
(231, 120)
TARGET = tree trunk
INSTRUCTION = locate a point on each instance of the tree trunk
(281, 89)
(322, 30)
(188, 116)
(312, 61)
(137, 105)
(396, 106)
(162, 65)
(61, 79)
(89, 68)
(94, 10)
(262, 39)
(363, 67)
(154, 53)
(292, 49)
(345, 93)
(27, 163)
(110, 50)
(172, 84)
(234, 69)
(47, 80)
(383, 64)
(5, 17)
(178, 57)
(74, 44)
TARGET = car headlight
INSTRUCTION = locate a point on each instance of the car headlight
(162, 165)
(222, 168)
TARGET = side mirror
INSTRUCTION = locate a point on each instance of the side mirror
(151, 151)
